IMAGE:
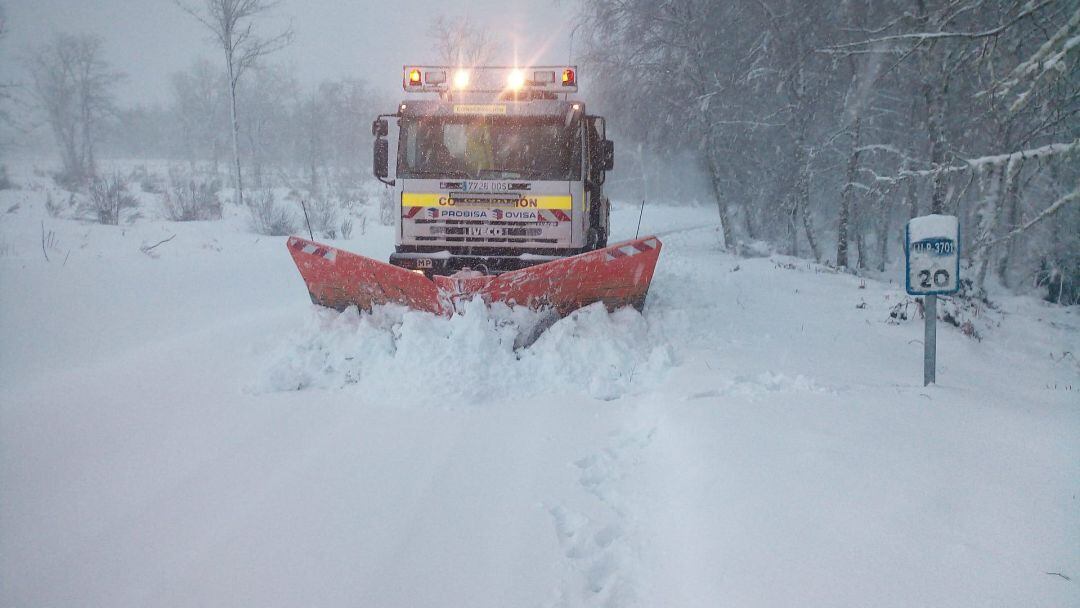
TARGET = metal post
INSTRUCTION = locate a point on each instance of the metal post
(930, 341)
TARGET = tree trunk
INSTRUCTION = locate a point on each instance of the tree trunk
(721, 203)
(990, 217)
(745, 211)
(748, 223)
(911, 195)
(911, 191)
(802, 195)
(936, 136)
(1012, 212)
(811, 238)
(861, 249)
(884, 226)
(238, 176)
(847, 193)
(793, 199)
(793, 225)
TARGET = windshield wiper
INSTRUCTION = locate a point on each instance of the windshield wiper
(435, 174)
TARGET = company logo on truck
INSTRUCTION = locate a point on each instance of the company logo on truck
(498, 215)
(463, 214)
(515, 215)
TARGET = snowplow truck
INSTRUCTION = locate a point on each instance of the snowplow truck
(498, 186)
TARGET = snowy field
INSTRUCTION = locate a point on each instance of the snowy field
(185, 428)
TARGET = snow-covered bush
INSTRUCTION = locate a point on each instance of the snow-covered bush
(354, 222)
(387, 208)
(148, 182)
(972, 314)
(323, 215)
(66, 180)
(109, 197)
(192, 200)
(268, 217)
(51, 206)
(1062, 282)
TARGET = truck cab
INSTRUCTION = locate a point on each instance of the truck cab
(497, 169)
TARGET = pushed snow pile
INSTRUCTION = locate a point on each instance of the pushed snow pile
(413, 357)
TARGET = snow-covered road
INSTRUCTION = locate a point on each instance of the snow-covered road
(189, 430)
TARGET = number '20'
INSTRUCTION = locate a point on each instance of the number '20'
(940, 278)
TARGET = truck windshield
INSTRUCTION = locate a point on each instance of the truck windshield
(489, 148)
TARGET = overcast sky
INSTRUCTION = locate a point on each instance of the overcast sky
(149, 39)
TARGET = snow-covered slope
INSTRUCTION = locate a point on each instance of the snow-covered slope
(187, 429)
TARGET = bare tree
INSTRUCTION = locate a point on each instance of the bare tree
(232, 23)
(266, 97)
(74, 86)
(5, 87)
(460, 41)
(199, 108)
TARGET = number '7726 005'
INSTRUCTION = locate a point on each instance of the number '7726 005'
(932, 247)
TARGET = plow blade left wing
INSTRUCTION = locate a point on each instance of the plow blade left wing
(338, 279)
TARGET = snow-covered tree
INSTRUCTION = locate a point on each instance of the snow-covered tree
(232, 23)
(461, 41)
(200, 107)
(74, 86)
(832, 124)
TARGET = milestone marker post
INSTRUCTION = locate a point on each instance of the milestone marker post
(932, 252)
(929, 372)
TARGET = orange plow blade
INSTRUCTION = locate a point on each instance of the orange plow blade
(618, 275)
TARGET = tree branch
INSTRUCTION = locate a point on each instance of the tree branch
(924, 36)
(1057, 205)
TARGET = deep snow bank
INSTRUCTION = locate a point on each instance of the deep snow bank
(402, 356)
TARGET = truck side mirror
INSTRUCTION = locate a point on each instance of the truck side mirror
(379, 127)
(381, 158)
(607, 152)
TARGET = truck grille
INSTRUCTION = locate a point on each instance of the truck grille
(480, 231)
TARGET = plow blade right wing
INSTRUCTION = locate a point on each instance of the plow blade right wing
(618, 275)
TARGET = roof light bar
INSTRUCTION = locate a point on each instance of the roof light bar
(515, 80)
(493, 79)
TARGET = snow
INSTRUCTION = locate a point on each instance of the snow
(190, 430)
(932, 226)
(1001, 159)
(463, 357)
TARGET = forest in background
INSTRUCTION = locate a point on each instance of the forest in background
(822, 130)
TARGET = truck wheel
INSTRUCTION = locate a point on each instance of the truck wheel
(597, 239)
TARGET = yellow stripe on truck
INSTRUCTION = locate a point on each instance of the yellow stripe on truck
(420, 199)
(415, 199)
